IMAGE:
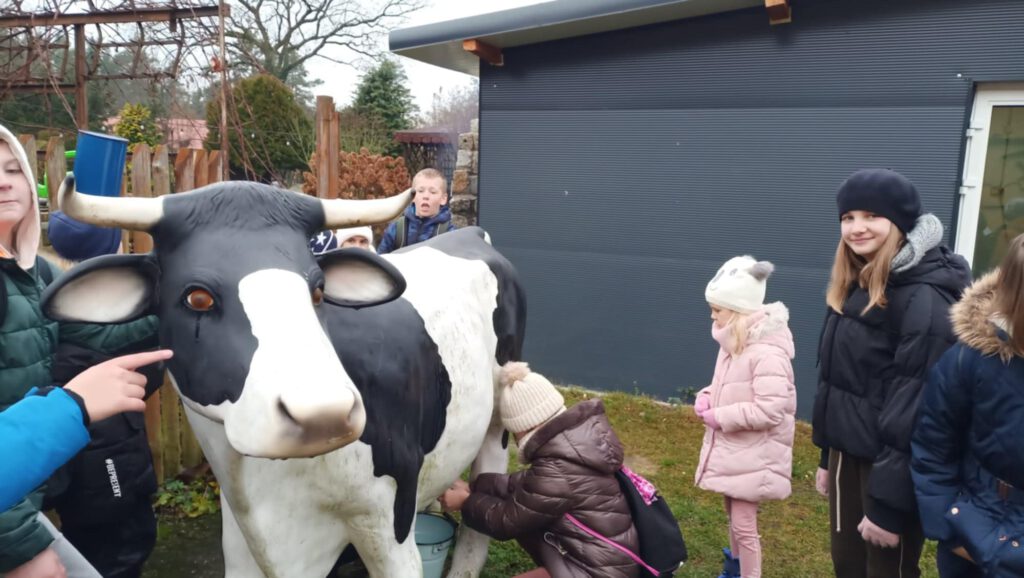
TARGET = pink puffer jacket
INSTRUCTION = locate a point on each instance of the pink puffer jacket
(754, 400)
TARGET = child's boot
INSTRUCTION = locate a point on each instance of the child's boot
(730, 565)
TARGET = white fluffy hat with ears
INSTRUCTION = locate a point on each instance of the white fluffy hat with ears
(740, 284)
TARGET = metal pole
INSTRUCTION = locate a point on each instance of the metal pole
(81, 100)
(224, 157)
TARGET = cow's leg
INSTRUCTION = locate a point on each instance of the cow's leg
(238, 561)
(471, 546)
(383, 556)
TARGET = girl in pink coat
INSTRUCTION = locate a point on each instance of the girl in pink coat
(749, 407)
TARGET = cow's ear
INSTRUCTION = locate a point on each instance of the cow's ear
(107, 289)
(359, 278)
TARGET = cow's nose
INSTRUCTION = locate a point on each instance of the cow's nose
(323, 417)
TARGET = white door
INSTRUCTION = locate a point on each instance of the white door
(992, 195)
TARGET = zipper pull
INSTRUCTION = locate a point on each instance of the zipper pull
(550, 539)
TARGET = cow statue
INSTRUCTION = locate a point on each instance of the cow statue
(334, 398)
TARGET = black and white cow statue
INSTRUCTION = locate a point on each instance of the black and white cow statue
(334, 398)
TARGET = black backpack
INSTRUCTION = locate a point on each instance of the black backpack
(402, 231)
(661, 542)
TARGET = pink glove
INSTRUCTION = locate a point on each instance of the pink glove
(709, 419)
(702, 404)
(873, 534)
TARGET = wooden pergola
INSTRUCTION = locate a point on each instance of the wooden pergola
(21, 79)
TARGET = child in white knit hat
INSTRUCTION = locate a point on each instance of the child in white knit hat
(573, 455)
(749, 407)
(328, 240)
(361, 237)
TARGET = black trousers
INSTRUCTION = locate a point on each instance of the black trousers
(117, 548)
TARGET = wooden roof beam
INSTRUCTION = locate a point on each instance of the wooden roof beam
(486, 52)
(779, 11)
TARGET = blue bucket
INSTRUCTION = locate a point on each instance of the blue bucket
(434, 536)
(99, 163)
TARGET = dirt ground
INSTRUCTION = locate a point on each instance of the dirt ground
(191, 548)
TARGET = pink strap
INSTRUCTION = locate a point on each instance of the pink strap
(646, 489)
(615, 545)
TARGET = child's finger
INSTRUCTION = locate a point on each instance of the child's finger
(137, 360)
(134, 377)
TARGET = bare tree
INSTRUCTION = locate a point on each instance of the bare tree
(454, 109)
(279, 37)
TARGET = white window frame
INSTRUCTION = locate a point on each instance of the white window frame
(986, 97)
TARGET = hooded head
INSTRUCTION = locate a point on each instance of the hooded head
(77, 241)
(19, 204)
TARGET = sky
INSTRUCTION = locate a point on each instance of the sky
(424, 79)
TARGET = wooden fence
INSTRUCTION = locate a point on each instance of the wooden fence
(153, 172)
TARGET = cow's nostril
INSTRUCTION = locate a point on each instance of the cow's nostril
(284, 411)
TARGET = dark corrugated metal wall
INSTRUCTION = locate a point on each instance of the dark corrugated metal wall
(618, 171)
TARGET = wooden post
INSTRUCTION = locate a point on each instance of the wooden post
(327, 148)
(170, 403)
(200, 170)
(143, 243)
(184, 171)
(28, 142)
(333, 154)
(213, 167)
(81, 98)
(56, 169)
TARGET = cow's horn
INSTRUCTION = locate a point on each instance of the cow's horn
(340, 213)
(134, 213)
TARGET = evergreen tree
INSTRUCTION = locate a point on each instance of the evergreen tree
(137, 125)
(383, 95)
(268, 131)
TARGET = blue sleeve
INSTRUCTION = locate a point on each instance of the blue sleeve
(937, 444)
(387, 243)
(39, 433)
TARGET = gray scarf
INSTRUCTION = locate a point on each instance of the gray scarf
(926, 235)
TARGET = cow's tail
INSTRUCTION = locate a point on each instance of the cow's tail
(512, 372)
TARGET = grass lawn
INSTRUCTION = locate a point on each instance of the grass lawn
(663, 444)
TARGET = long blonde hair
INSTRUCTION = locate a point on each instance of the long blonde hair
(849, 268)
(1009, 297)
(739, 331)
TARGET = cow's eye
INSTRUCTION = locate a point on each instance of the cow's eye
(199, 300)
(318, 296)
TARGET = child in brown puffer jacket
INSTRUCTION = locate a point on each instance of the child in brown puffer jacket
(573, 455)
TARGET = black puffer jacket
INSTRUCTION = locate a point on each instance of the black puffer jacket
(115, 471)
(872, 367)
(573, 459)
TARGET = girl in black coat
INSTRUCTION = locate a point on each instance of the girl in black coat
(891, 288)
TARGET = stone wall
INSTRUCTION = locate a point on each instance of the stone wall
(465, 178)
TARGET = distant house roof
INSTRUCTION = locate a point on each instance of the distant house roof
(425, 136)
(441, 43)
(178, 133)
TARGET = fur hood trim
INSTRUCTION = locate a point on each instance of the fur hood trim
(974, 319)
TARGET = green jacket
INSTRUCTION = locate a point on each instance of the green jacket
(28, 341)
